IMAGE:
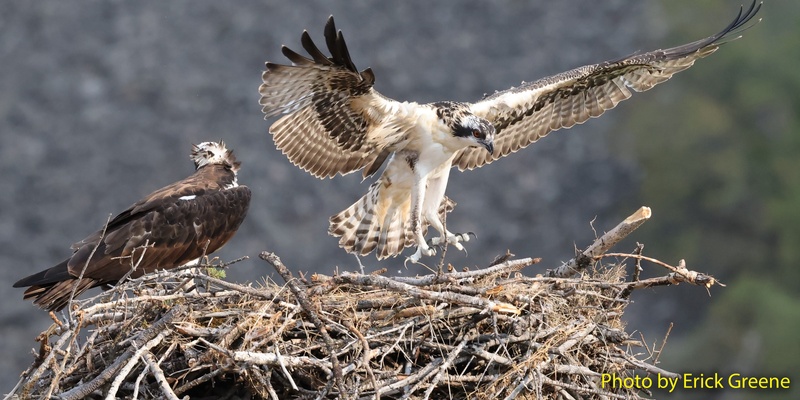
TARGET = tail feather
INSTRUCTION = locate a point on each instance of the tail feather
(377, 223)
(359, 226)
(54, 297)
(52, 288)
(47, 277)
(394, 245)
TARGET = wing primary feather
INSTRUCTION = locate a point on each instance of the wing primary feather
(313, 50)
(741, 19)
(343, 53)
(330, 36)
(293, 57)
(336, 45)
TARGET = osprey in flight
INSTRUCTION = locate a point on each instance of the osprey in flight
(172, 226)
(335, 122)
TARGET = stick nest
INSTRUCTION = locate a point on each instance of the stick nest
(480, 334)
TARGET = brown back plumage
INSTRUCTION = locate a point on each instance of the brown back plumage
(168, 228)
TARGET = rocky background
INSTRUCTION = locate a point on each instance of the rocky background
(100, 102)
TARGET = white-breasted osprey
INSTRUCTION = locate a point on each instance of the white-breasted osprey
(172, 226)
(335, 122)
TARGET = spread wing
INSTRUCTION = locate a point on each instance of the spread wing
(527, 113)
(334, 121)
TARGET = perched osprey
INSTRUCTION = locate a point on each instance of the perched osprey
(335, 122)
(172, 226)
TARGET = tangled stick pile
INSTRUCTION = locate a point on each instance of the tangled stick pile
(488, 333)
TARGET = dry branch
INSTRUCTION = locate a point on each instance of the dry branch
(602, 244)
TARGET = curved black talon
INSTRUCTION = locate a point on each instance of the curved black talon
(461, 235)
(430, 243)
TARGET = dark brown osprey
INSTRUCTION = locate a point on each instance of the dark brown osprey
(172, 226)
(335, 122)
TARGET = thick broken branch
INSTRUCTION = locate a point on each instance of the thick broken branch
(601, 245)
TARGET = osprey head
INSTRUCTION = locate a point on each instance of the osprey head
(214, 153)
(477, 130)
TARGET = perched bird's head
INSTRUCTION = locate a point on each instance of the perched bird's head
(476, 130)
(214, 153)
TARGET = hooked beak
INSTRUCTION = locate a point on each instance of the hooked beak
(488, 145)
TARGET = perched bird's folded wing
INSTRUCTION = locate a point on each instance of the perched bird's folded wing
(524, 114)
(169, 233)
(334, 121)
(189, 187)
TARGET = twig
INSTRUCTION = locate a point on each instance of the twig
(85, 266)
(444, 246)
(119, 304)
(260, 293)
(282, 364)
(388, 283)
(274, 360)
(137, 383)
(508, 266)
(638, 267)
(419, 376)
(644, 366)
(663, 343)
(152, 364)
(272, 393)
(366, 355)
(196, 382)
(679, 273)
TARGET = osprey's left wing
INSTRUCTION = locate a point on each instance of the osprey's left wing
(527, 113)
(334, 121)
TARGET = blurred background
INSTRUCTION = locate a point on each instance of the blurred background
(100, 102)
